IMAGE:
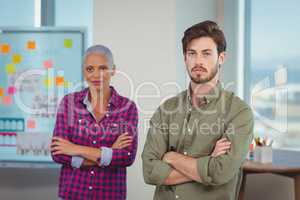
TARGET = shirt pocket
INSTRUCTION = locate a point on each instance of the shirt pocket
(81, 132)
(206, 136)
(109, 133)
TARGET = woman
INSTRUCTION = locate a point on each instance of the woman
(95, 135)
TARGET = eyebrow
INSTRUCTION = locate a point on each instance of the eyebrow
(204, 50)
(97, 66)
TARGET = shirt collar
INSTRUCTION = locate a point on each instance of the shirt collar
(213, 94)
(113, 97)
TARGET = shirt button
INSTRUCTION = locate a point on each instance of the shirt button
(176, 196)
(107, 115)
(185, 153)
(190, 109)
(79, 120)
(92, 172)
(189, 130)
(96, 125)
(129, 153)
(115, 125)
(94, 142)
(90, 187)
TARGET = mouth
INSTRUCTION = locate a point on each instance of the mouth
(199, 69)
(96, 83)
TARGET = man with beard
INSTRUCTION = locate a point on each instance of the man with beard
(198, 140)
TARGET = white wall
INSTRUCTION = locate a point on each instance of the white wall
(141, 34)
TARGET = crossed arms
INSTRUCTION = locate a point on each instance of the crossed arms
(161, 167)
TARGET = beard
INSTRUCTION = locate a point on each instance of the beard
(202, 80)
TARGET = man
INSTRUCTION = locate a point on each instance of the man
(95, 135)
(198, 140)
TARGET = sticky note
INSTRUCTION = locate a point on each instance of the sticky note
(11, 90)
(5, 48)
(68, 43)
(10, 68)
(67, 84)
(31, 45)
(17, 58)
(59, 80)
(48, 64)
(47, 82)
(1, 92)
(31, 123)
(7, 100)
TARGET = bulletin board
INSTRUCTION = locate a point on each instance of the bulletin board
(37, 68)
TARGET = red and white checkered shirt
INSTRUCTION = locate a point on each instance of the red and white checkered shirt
(76, 124)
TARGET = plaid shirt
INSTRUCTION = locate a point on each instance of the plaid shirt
(75, 123)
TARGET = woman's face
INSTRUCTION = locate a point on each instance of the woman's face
(97, 72)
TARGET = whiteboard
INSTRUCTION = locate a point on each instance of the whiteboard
(37, 68)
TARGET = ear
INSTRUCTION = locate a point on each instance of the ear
(222, 57)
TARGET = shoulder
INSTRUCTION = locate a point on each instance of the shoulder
(237, 107)
(175, 102)
(75, 96)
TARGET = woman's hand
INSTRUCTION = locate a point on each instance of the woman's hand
(222, 147)
(63, 146)
(124, 140)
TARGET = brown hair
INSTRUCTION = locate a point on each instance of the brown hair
(205, 29)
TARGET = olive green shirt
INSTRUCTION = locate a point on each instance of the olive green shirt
(193, 131)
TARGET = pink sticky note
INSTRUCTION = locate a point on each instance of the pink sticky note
(7, 100)
(31, 123)
(11, 90)
(48, 64)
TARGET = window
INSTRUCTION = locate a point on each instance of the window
(273, 62)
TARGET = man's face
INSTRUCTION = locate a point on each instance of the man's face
(202, 60)
(96, 71)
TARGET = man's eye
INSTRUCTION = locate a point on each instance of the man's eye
(206, 54)
(191, 53)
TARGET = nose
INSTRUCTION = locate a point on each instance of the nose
(199, 59)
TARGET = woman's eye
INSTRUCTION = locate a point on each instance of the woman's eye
(89, 69)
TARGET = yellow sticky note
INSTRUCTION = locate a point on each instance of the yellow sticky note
(47, 83)
(31, 45)
(10, 68)
(68, 43)
(1, 92)
(67, 84)
(4, 48)
(17, 58)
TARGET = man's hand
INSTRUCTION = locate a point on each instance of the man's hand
(170, 156)
(123, 141)
(62, 146)
(222, 147)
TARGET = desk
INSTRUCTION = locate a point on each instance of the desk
(284, 164)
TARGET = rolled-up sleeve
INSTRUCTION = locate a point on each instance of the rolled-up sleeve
(125, 157)
(155, 171)
(220, 170)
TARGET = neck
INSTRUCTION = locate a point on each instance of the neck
(200, 90)
(100, 97)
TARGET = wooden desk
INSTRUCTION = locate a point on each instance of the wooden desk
(251, 167)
